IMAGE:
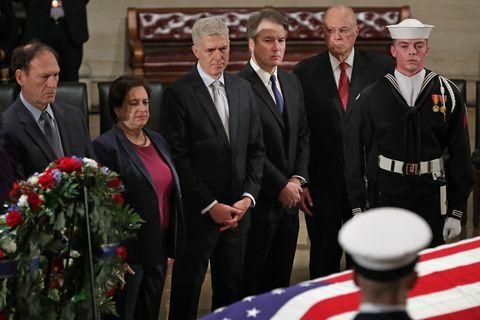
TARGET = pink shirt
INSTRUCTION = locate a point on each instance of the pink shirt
(161, 177)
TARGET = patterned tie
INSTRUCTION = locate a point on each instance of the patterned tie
(343, 85)
(276, 93)
(51, 134)
(220, 105)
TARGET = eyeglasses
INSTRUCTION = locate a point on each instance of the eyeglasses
(343, 31)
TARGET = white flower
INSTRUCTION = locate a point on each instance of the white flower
(9, 246)
(33, 179)
(23, 201)
(90, 163)
(74, 254)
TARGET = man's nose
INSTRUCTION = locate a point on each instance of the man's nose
(52, 81)
(217, 54)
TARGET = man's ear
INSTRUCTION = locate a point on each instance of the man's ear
(251, 45)
(20, 77)
(195, 51)
(393, 51)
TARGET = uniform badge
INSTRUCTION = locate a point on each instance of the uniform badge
(438, 98)
(435, 99)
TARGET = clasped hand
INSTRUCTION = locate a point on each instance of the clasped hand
(229, 216)
(291, 194)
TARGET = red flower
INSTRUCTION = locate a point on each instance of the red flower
(34, 200)
(2, 255)
(46, 180)
(118, 198)
(110, 293)
(15, 188)
(69, 164)
(13, 218)
(114, 183)
(122, 252)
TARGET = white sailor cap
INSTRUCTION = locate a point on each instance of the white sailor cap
(410, 29)
(384, 242)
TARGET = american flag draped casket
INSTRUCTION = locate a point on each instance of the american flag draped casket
(448, 288)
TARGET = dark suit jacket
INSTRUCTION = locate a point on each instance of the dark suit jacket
(115, 151)
(328, 121)
(285, 137)
(28, 148)
(209, 165)
(6, 176)
(38, 13)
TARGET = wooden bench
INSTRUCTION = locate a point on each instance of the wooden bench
(160, 38)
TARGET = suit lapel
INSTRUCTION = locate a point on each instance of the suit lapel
(233, 107)
(130, 150)
(207, 104)
(328, 84)
(61, 118)
(32, 129)
(356, 83)
(288, 97)
(259, 87)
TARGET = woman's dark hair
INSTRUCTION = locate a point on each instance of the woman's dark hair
(119, 90)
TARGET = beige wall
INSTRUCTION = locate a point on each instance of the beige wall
(454, 43)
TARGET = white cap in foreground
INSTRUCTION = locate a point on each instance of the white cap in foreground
(384, 242)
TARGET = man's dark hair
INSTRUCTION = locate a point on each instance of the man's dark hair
(25, 53)
(267, 14)
(119, 90)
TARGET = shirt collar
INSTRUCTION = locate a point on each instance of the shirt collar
(379, 307)
(264, 75)
(335, 62)
(208, 79)
(417, 77)
(34, 111)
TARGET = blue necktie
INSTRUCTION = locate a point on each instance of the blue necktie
(276, 93)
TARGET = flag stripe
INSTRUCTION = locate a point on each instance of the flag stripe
(439, 306)
(314, 300)
(450, 249)
(448, 287)
(468, 314)
(426, 285)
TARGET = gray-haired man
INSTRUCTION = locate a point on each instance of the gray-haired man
(213, 129)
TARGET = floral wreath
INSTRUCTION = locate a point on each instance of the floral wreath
(44, 265)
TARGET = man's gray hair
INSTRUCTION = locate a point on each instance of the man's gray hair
(210, 26)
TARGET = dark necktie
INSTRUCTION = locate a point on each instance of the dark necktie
(276, 93)
(343, 85)
(51, 134)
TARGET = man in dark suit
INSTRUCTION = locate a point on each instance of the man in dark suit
(211, 123)
(329, 95)
(61, 24)
(36, 130)
(272, 239)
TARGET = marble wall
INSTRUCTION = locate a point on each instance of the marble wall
(454, 43)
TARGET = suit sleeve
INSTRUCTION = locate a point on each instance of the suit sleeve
(303, 139)
(358, 141)
(459, 169)
(106, 155)
(13, 149)
(89, 151)
(174, 128)
(255, 152)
